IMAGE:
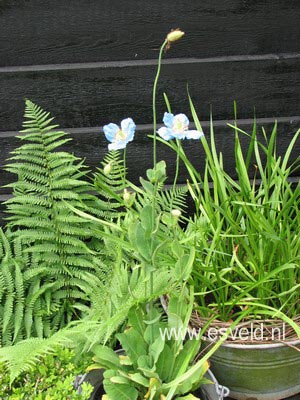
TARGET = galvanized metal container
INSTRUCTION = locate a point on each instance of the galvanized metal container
(258, 371)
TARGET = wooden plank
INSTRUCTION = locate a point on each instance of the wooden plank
(39, 32)
(190, 205)
(83, 97)
(91, 144)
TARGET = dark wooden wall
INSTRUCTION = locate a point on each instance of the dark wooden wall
(93, 62)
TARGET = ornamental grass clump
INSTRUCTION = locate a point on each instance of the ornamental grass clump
(253, 234)
(246, 230)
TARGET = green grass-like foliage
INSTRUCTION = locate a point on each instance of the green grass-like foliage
(39, 217)
(250, 233)
(248, 243)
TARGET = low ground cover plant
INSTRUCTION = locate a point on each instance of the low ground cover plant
(51, 380)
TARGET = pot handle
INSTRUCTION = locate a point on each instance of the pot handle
(222, 391)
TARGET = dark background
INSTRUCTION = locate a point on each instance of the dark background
(93, 62)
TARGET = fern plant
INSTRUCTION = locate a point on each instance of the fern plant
(39, 216)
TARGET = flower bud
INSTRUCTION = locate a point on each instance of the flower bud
(176, 213)
(128, 198)
(174, 35)
(107, 169)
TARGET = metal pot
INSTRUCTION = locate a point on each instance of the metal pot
(258, 371)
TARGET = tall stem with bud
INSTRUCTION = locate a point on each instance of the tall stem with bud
(154, 99)
(171, 37)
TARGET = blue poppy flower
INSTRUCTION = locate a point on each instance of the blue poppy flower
(119, 137)
(176, 127)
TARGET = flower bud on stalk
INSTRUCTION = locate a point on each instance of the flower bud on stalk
(128, 198)
(107, 169)
(176, 213)
(171, 219)
(173, 36)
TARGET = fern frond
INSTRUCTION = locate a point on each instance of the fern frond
(110, 185)
(20, 300)
(174, 198)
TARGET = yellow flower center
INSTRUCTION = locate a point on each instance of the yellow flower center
(179, 126)
(120, 135)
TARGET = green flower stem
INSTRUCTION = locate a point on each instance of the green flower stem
(124, 165)
(154, 99)
(176, 171)
(151, 277)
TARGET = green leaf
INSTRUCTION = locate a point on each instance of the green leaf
(156, 348)
(125, 360)
(164, 364)
(119, 391)
(135, 319)
(185, 357)
(143, 242)
(133, 343)
(147, 219)
(106, 357)
(144, 366)
(177, 310)
(194, 374)
(177, 249)
(167, 102)
(148, 186)
(184, 265)
(188, 397)
(139, 378)
(120, 380)
(158, 173)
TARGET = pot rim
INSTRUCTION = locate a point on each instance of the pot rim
(287, 343)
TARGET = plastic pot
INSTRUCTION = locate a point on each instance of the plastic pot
(258, 371)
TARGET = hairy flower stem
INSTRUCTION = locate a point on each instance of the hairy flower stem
(124, 165)
(154, 99)
(176, 173)
(151, 277)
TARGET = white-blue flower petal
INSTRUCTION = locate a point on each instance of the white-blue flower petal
(193, 134)
(165, 133)
(128, 128)
(110, 131)
(178, 135)
(168, 119)
(117, 145)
